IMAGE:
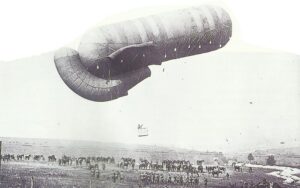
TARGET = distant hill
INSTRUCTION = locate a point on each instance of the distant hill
(279, 151)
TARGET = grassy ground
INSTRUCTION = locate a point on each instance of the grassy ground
(19, 174)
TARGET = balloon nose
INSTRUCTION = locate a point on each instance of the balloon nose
(91, 87)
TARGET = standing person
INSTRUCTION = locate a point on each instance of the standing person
(169, 180)
(181, 180)
(265, 182)
(227, 175)
(205, 182)
(97, 173)
(250, 170)
(93, 172)
(121, 177)
(31, 182)
(140, 185)
(118, 174)
(114, 177)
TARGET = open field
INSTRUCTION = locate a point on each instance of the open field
(45, 174)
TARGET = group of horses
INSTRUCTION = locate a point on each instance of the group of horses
(168, 165)
(88, 161)
(215, 170)
(63, 161)
(180, 166)
(21, 157)
(126, 162)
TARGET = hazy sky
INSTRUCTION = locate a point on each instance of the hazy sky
(201, 102)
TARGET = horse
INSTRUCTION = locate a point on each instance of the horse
(65, 160)
(7, 157)
(143, 166)
(200, 168)
(222, 168)
(38, 157)
(216, 172)
(51, 158)
(20, 157)
(27, 157)
(238, 168)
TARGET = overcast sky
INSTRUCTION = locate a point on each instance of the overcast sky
(227, 100)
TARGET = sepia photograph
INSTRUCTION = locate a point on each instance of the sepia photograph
(149, 94)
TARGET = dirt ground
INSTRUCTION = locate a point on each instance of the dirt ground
(45, 174)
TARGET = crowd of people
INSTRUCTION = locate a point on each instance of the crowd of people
(165, 173)
(181, 179)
